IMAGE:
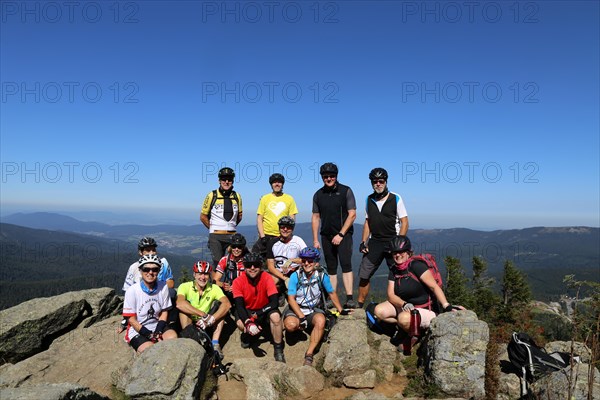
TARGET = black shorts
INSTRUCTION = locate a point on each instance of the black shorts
(137, 341)
(378, 251)
(332, 253)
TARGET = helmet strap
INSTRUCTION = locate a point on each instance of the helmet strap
(379, 196)
(227, 192)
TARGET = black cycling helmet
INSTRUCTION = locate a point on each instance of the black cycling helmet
(253, 259)
(237, 239)
(378, 173)
(328, 168)
(226, 172)
(400, 244)
(286, 221)
(276, 178)
(146, 241)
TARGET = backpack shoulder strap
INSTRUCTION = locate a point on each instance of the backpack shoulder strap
(212, 202)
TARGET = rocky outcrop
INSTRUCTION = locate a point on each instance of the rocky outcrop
(86, 356)
(30, 327)
(455, 348)
(60, 391)
(556, 385)
(171, 369)
(579, 349)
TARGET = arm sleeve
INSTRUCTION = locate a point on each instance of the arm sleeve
(182, 290)
(239, 203)
(206, 204)
(129, 303)
(418, 268)
(261, 206)
(293, 284)
(240, 308)
(400, 209)
(274, 301)
(293, 207)
(165, 300)
(165, 271)
(327, 284)
(350, 200)
(315, 204)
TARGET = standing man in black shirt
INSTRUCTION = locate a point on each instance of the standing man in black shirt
(334, 208)
(386, 217)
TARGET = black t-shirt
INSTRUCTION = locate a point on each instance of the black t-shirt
(332, 205)
(407, 288)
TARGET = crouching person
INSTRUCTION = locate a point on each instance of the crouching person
(202, 305)
(146, 307)
(306, 296)
(256, 299)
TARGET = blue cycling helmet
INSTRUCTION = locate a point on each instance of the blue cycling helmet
(310, 253)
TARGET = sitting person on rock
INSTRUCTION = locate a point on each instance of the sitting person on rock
(231, 265)
(256, 298)
(411, 286)
(202, 304)
(146, 307)
(306, 299)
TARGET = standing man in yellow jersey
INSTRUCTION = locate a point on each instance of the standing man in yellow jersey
(221, 213)
(271, 208)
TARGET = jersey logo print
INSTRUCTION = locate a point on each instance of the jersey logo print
(277, 207)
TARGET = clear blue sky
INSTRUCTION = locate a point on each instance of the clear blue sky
(485, 114)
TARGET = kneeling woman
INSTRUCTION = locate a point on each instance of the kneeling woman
(410, 286)
(146, 307)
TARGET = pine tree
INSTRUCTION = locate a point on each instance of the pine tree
(185, 276)
(516, 292)
(456, 290)
(485, 300)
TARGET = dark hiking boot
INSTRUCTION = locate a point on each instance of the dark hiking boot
(279, 353)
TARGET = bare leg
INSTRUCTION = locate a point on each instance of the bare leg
(363, 290)
(333, 279)
(317, 332)
(276, 327)
(348, 278)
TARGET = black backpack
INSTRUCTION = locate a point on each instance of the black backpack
(234, 197)
(533, 361)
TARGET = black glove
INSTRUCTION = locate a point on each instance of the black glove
(303, 323)
(362, 247)
(345, 311)
(448, 308)
(145, 332)
(266, 309)
(160, 327)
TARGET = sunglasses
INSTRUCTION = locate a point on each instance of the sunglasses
(380, 181)
(328, 176)
(309, 260)
(154, 270)
(237, 247)
(252, 266)
(398, 253)
(226, 179)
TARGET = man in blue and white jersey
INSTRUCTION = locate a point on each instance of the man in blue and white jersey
(386, 217)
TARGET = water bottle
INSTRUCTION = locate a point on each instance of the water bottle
(415, 323)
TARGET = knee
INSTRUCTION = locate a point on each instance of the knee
(380, 311)
(404, 320)
(363, 282)
(319, 321)
(275, 318)
(291, 324)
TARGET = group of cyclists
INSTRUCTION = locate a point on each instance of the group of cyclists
(280, 283)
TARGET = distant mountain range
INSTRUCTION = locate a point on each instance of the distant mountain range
(545, 254)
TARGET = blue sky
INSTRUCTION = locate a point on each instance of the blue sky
(485, 114)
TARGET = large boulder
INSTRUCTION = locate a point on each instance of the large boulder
(30, 327)
(348, 351)
(556, 385)
(579, 349)
(171, 369)
(89, 357)
(455, 348)
(266, 380)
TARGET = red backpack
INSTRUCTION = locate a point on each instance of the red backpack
(429, 260)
